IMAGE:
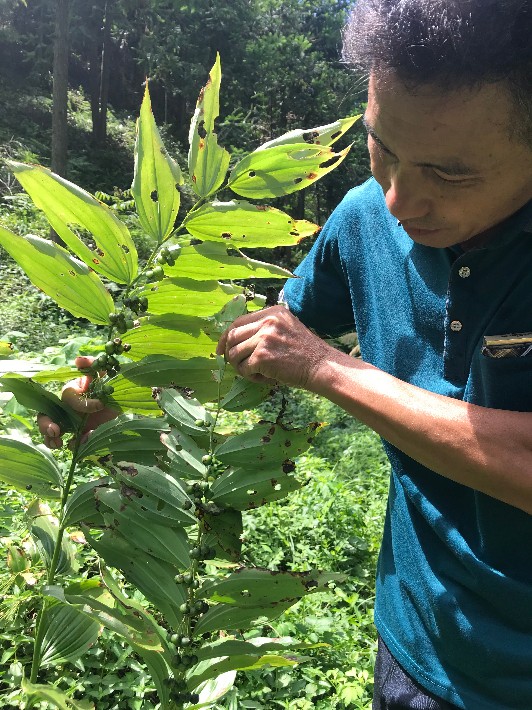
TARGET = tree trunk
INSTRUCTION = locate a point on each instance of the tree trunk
(60, 89)
(100, 83)
(60, 93)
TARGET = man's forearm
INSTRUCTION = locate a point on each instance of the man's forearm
(489, 450)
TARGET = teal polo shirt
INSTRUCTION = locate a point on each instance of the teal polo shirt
(454, 579)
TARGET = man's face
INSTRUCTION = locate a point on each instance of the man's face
(446, 162)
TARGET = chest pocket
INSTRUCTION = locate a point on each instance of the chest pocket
(500, 382)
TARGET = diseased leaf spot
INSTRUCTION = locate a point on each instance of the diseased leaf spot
(100, 253)
(288, 466)
(310, 136)
(252, 173)
(251, 493)
(202, 133)
(297, 180)
(311, 584)
(265, 440)
(194, 178)
(95, 261)
(154, 196)
(261, 208)
(312, 176)
(277, 487)
(288, 442)
(331, 161)
(125, 248)
(72, 273)
(226, 235)
(335, 135)
(201, 145)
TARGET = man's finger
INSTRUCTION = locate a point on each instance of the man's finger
(47, 427)
(74, 395)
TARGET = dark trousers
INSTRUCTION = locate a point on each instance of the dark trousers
(395, 690)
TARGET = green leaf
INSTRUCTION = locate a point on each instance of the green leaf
(224, 532)
(152, 577)
(255, 646)
(188, 297)
(192, 377)
(281, 170)
(156, 179)
(50, 694)
(321, 135)
(6, 348)
(158, 670)
(129, 397)
(268, 445)
(44, 528)
(127, 438)
(245, 394)
(169, 544)
(229, 617)
(144, 482)
(75, 215)
(184, 454)
(184, 412)
(214, 667)
(218, 261)
(69, 282)
(34, 396)
(68, 634)
(244, 489)
(207, 161)
(29, 468)
(263, 587)
(247, 225)
(81, 505)
(178, 336)
(214, 689)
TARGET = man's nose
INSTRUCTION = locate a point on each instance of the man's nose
(406, 196)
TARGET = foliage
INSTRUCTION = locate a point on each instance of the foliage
(168, 513)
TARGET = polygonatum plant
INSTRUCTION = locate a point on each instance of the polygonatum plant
(163, 509)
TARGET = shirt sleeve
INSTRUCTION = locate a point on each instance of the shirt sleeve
(319, 295)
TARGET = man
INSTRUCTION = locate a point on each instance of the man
(432, 260)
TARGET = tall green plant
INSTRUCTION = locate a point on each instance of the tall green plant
(167, 514)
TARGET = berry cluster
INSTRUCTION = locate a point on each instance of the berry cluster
(155, 274)
(121, 322)
(108, 362)
(178, 691)
(136, 304)
(165, 256)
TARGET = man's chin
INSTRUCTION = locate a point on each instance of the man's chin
(439, 238)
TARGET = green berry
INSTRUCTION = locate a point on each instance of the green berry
(199, 423)
(185, 641)
(187, 505)
(207, 459)
(195, 553)
(175, 638)
(108, 389)
(179, 578)
(158, 273)
(113, 317)
(149, 274)
(109, 347)
(129, 323)
(188, 578)
(183, 608)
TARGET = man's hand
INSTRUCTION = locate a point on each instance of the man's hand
(74, 394)
(273, 346)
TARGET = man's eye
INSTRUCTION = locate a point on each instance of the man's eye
(455, 179)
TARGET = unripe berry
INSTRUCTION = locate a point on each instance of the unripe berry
(109, 347)
(183, 608)
(129, 323)
(187, 505)
(158, 273)
(206, 459)
(179, 578)
(126, 347)
(199, 423)
(175, 638)
(108, 389)
(185, 641)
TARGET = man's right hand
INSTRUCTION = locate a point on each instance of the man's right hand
(75, 395)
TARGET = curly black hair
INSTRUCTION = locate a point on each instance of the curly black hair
(451, 44)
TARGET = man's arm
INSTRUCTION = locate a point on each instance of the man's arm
(489, 450)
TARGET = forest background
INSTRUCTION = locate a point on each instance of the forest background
(281, 70)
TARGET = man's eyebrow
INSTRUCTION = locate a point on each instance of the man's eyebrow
(453, 167)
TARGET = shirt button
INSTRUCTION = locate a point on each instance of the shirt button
(464, 272)
(456, 326)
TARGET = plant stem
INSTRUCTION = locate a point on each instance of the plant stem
(40, 630)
